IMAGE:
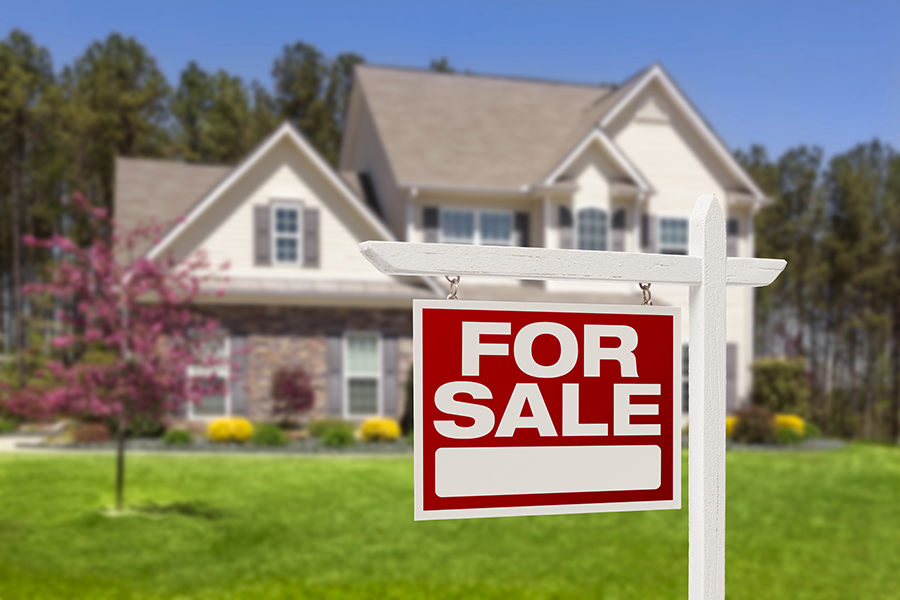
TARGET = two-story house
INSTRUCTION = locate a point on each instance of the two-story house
(441, 158)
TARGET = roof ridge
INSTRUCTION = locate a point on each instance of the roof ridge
(491, 76)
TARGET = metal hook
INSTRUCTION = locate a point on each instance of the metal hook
(454, 287)
(645, 291)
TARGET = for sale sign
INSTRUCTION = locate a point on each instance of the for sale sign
(537, 409)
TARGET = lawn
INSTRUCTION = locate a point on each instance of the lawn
(800, 525)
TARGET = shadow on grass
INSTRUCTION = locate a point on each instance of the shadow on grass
(198, 509)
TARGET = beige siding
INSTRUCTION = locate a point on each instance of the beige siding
(225, 231)
(680, 169)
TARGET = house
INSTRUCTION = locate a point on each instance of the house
(445, 158)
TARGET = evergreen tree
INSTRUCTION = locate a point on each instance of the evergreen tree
(117, 102)
(214, 115)
(311, 92)
(29, 168)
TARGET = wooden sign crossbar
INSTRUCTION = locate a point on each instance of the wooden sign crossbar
(707, 272)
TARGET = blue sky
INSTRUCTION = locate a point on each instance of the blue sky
(776, 73)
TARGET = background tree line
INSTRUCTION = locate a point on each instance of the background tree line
(837, 223)
(61, 129)
(837, 304)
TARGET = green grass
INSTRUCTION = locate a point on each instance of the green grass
(800, 525)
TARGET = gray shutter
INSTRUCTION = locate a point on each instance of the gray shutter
(431, 221)
(262, 235)
(618, 231)
(566, 228)
(522, 224)
(649, 226)
(334, 385)
(731, 372)
(240, 362)
(390, 372)
(733, 231)
(311, 237)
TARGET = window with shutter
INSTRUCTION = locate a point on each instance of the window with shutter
(286, 234)
(592, 229)
(476, 226)
(673, 235)
(362, 374)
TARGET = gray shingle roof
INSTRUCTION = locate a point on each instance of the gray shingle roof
(159, 191)
(441, 129)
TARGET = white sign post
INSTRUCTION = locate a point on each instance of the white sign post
(707, 272)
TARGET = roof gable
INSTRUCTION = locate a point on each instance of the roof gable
(597, 138)
(285, 133)
(657, 75)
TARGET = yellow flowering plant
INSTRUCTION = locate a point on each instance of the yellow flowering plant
(230, 429)
(790, 422)
(730, 422)
(379, 429)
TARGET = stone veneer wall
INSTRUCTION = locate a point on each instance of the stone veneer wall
(287, 336)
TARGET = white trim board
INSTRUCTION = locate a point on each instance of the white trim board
(607, 144)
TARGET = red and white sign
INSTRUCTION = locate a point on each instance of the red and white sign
(538, 409)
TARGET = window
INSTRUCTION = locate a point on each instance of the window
(362, 373)
(286, 234)
(458, 226)
(592, 229)
(496, 228)
(673, 236)
(480, 227)
(216, 400)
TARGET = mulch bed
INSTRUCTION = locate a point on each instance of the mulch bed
(307, 446)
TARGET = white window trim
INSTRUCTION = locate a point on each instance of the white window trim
(273, 209)
(659, 241)
(476, 233)
(576, 217)
(221, 370)
(346, 375)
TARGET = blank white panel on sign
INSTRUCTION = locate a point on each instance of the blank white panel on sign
(545, 470)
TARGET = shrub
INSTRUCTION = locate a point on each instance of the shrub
(339, 435)
(780, 384)
(8, 425)
(379, 429)
(292, 393)
(754, 425)
(267, 434)
(812, 431)
(230, 429)
(177, 437)
(318, 427)
(788, 435)
(90, 433)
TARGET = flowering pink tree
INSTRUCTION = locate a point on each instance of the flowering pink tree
(140, 313)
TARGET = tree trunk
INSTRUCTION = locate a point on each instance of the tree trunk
(894, 420)
(120, 463)
(18, 322)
